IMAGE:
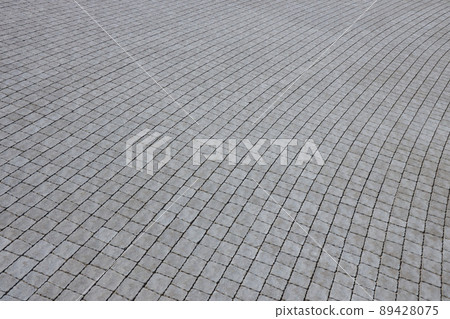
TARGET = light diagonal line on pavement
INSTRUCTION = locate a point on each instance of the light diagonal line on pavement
(315, 241)
(165, 211)
(315, 61)
(135, 61)
(137, 238)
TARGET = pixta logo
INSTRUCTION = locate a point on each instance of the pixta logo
(145, 148)
(142, 148)
(308, 151)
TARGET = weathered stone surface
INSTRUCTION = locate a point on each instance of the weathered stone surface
(77, 223)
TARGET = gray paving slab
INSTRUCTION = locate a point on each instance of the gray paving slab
(80, 220)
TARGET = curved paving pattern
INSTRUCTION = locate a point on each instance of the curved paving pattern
(77, 223)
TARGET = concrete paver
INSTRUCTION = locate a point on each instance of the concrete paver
(77, 223)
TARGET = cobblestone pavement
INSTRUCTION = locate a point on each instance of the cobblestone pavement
(79, 80)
